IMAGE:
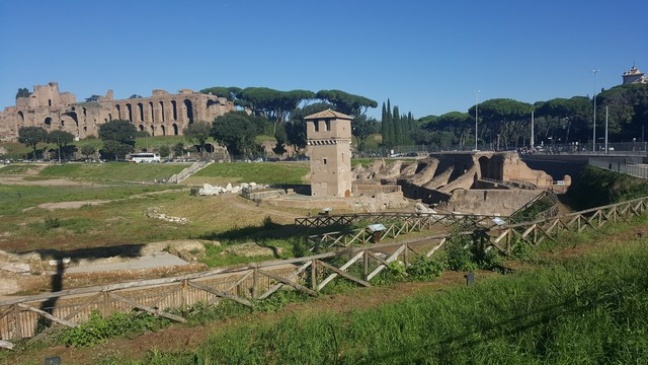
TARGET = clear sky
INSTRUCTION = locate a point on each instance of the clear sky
(426, 56)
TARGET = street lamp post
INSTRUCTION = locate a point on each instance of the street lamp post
(595, 71)
(476, 115)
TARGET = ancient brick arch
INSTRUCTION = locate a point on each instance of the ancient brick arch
(483, 166)
(162, 111)
(152, 112)
(140, 107)
(174, 107)
(189, 111)
(161, 114)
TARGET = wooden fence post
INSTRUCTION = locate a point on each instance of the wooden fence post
(314, 275)
(17, 325)
(365, 270)
(255, 278)
(184, 295)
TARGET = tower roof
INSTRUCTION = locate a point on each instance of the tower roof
(328, 114)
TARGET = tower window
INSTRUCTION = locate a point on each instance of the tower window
(328, 124)
(324, 161)
(316, 123)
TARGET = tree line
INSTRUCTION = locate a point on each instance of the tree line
(502, 123)
(506, 123)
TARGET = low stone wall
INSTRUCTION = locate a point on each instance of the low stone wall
(488, 202)
(368, 203)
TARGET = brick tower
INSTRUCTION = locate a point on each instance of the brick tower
(329, 142)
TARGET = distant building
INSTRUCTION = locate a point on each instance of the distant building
(161, 114)
(329, 143)
(634, 76)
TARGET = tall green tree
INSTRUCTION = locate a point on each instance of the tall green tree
(118, 138)
(281, 138)
(236, 132)
(362, 128)
(567, 119)
(507, 122)
(121, 131)
(165, 151)
(114, 150)
(346, 103)
(628, 110)
(31, 137)
(61, 139)
(178, 149)
(198, 133)
(87, 150)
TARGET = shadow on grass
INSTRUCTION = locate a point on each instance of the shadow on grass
(268, 231)
(57, 279)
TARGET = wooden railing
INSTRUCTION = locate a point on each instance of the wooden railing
(20, 317)
(446, 219)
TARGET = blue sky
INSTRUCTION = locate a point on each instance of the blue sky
(427, 57)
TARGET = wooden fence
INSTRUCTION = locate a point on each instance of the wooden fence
(446, 219)
(21, 317)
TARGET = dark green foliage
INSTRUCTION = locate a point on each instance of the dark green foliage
(446, 130)
(566, 119)
(282, 138)
(23, 92)
(507, 118)
(237, 132)
(198, 133)
(597, 187)
(97, 328)
(425, 268)
(88, 150)
(113, 150)
(467, 253)
(396, 129)
(52, 222)
(92, 99)
(363, 128)
(32, 136)
(164, 151)
(628, 110)
(346, 103)
(121, 131)
(178, 149)
(458, 257)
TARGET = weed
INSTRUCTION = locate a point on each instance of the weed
(52, 223)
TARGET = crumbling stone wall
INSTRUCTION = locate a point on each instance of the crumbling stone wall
(161, 114)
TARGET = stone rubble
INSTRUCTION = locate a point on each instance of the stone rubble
(154, 212)
(209, 190)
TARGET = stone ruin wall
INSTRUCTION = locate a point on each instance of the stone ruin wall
(161, 114)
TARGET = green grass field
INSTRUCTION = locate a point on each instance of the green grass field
(113, 172)
(259, 172)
